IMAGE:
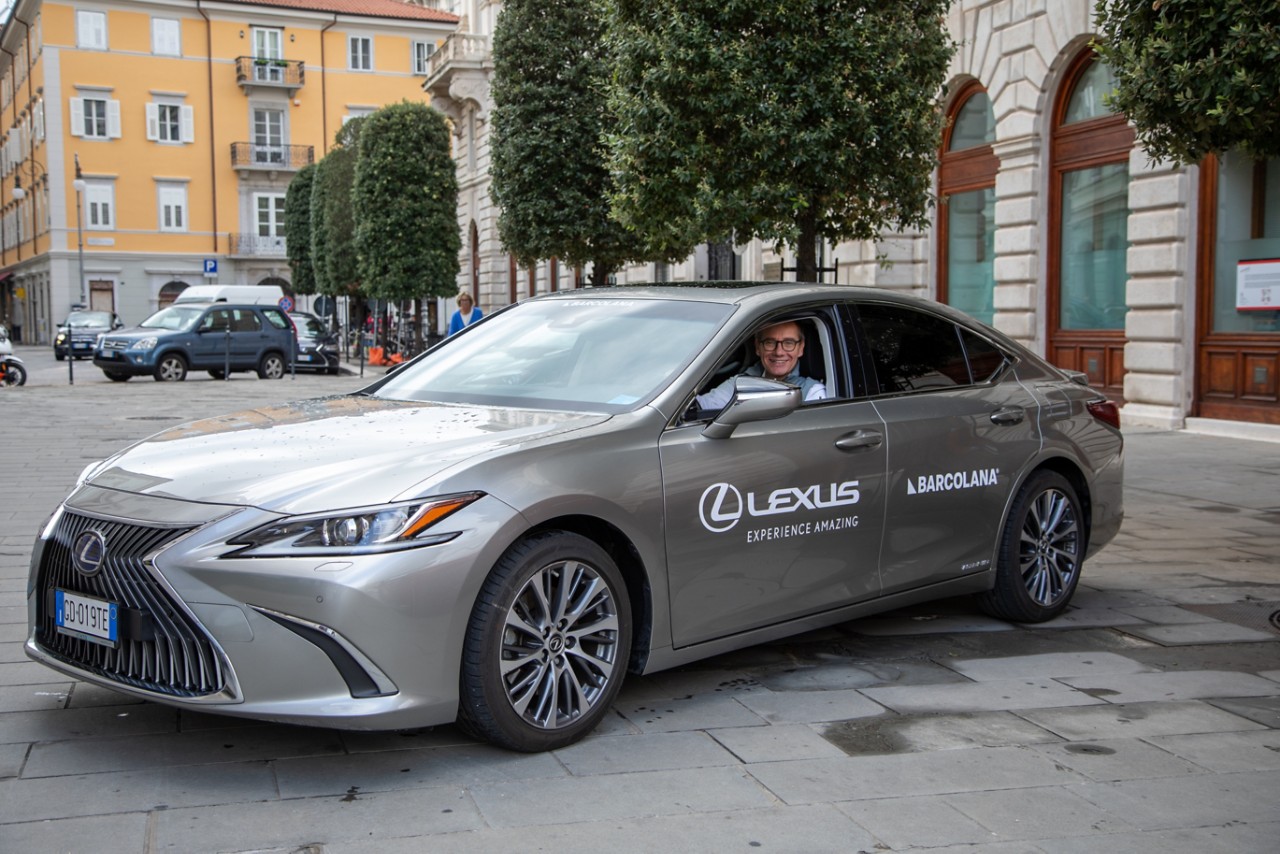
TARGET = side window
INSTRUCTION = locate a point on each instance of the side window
(276, 318)
(911, 350)
(245, 320)
(985, 359)
(218, 319)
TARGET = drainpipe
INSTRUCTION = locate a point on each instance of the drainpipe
(213, 154)
(31, 105)
(324, 100)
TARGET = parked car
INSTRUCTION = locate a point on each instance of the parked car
(501, 529)
(317, 344)
(214, 337)
(78, 334)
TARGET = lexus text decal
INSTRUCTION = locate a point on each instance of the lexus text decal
(722, 506)
(952, 481)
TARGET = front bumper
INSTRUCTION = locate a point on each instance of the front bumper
(354, 642)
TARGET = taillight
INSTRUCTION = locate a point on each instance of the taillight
(1105, 411)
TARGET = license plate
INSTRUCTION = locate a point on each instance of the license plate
(92, 619)
(304, 357)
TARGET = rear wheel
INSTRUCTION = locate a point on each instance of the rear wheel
(271, 367)
(218, 374)
(14, 374)
(117, 376)
(547, 645)
(1041, 552)
(171, 368)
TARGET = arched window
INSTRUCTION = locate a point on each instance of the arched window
(967, 220)
(278, 282)
(1089, 227)
(169, 292)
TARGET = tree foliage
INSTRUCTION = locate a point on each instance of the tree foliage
(549, 174)
(786, 120)
(297, 229)
(333, 247)
(406, 195)
(1196, 77)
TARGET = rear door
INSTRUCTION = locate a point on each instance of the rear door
(959, 430)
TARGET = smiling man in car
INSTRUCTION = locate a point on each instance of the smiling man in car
(779, 347)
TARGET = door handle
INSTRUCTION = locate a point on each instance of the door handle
(860, 440)
(1008, 415)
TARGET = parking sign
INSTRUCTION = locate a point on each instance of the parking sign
(211, 267)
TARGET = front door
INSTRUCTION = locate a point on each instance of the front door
(102, 295)
(773, 523)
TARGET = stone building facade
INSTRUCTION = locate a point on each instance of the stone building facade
(1051, 224)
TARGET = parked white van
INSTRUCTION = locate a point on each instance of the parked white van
(241, 294)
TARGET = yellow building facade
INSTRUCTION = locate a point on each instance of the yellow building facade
(146, 145)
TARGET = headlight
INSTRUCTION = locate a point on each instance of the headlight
(62, 337)
(144, 344)
(360, 530)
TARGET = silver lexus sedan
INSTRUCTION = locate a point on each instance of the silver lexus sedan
(582, 485)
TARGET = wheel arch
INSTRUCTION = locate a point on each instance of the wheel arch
(625, 554)
(1075, 476)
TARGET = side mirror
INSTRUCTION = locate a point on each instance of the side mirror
(754, 399)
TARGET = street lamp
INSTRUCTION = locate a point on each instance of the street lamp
(79, 185)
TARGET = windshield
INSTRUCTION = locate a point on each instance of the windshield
(601, 355)
(174, 317)
(89, 319)
(308, 326)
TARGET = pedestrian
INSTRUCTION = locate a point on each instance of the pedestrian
(466, 314)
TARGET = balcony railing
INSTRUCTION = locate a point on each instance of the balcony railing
(281, 73)
(459, 47)
(279, 158)
(258, 246)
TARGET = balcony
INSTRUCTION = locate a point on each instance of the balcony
(459, 72)
(274, 158)
(257, 246)
(256, 73)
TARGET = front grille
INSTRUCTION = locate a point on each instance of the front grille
(160, 648)
(112, 344)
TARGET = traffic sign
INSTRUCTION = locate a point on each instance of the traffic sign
(211, 267)
(286, 304)
(324, 305)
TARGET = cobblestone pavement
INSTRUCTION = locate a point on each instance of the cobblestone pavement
(1146, 719)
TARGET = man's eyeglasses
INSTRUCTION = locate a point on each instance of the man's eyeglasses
(788, 345)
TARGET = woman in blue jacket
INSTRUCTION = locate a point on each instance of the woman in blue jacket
(466, 314)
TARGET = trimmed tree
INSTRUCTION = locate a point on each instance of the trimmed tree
(1196, 77)
(333, 250)
(297, 229)
(785, 121)
(549, 174)
(406, 192)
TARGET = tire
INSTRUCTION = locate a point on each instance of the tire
(61, 357)
(1041, 552)
(271, 367)
(117, 376)
(219, 374)
(14, 374)
(547, 688)
(171, 368)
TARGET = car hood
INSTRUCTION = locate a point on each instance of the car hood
(316, 455)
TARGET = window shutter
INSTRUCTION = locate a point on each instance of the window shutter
(113, 119)
(77, 116)
(187, 119)
(153, 121)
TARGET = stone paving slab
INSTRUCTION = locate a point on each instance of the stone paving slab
(775, 743)
(689, 713)
(1190, 801)
(1185, 685)
(802, 707)
(1188, 634)
(817, 828)
(923, 733)
(919, 822)
(666, 751)
(981, 696)
(1031, 814)
(1137, 720)
(87, 723)
(1235, 838)
(1227, 751)
(1119, 759)
(1055, 665)
(619, 796)
(121, 833)
(31, 698)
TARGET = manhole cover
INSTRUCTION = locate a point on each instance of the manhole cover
(1263, 616)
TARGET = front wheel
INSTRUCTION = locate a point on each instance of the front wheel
(14, 374)
(547, 645)
(1041, 552)
(171, 368)
(271, 367)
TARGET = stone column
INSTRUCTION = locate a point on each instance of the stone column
(1019, 267)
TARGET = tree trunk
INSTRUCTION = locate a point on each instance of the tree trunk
(600, 275)
(807, 248)
(417, 325)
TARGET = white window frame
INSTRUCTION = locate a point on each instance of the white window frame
(80, 120)
(171, 205)
(160, 131)
(166, 37)
(420, 56)
(100, 206)
(360, 50)
(91, 30)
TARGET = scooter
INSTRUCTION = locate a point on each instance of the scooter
(12, 371)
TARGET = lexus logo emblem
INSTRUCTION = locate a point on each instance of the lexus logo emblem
(89, 552)
(720, 507)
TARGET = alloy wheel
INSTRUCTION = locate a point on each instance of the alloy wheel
(1049, 547)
